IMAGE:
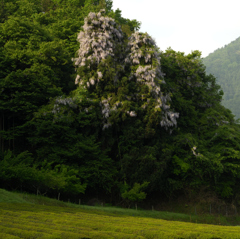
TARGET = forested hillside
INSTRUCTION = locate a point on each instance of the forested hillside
(90, 106)
(224, 64)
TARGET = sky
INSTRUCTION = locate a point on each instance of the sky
(186, 25)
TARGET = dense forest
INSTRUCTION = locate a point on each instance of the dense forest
(224, 63)
(90, 106)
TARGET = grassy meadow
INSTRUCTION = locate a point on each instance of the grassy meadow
(29, 216)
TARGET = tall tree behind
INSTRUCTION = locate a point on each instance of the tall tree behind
(38, 40)
(122, 79)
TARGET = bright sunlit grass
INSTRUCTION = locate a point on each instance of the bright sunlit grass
(54, 219)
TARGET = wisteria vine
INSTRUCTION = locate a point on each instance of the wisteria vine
(100, 39)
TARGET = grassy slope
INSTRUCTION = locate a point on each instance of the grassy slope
(25, 216)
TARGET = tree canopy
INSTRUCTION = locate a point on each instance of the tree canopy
(92, 105)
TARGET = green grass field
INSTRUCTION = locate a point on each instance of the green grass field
(25, 216)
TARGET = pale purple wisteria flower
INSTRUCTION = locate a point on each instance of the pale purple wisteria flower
(132, 113)
(142, 48)
(98, 40)
(61, 108)
(101, 38)
(92, 81)
(77, 79)
(100, 75)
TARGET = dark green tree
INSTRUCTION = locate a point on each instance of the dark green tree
(123, 82)
(194, 160)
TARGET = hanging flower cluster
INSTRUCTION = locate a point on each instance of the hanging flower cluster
(144, 59)
(102, 38)
(107, 109)
(145, 62)
(61, 109)
(105, 112)
(142, 48)
(98, 40)
(60, 102)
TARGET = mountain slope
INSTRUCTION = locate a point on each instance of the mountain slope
(224, 63)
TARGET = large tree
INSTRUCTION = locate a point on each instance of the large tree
(134, 115)
(121, 78)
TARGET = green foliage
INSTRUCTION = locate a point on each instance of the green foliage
(63, 133)
(29, 77)
(128, 26)
(135, 194)
(38, 40)
(124, 78)
(20, 172)
(135, 114)
(195, 159)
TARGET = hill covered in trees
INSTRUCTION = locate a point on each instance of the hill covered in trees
(224, 64)
(90, 106)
